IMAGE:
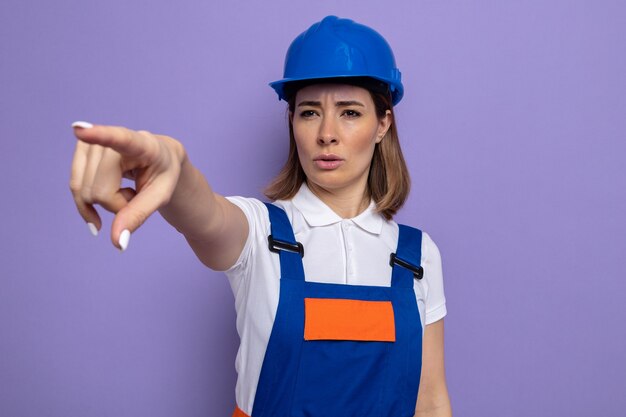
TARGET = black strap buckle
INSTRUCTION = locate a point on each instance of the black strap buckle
(418, 271)
(277, 245)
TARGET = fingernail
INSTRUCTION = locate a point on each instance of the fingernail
(124, 239)
(82, 125)
(93, 229)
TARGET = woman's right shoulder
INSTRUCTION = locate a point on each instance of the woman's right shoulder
(255, 212)
(250, 206)
(256, 215)
(256, 209)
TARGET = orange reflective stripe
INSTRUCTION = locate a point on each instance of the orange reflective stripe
(239, 413)
(339, 319)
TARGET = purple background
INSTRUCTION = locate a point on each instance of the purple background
(513, 124)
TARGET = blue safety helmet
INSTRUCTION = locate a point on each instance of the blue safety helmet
(334, 49)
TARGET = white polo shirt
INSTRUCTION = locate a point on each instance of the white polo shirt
(341, 251)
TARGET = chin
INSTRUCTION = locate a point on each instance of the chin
(329, 183)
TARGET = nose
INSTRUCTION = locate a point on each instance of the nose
(327, 132)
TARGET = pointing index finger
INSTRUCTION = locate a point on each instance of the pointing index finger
(125, 141)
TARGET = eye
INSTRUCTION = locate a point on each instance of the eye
(351, 113)
(307, 114)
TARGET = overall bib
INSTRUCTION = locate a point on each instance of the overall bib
(340, 350)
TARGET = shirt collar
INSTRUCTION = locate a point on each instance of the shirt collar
(317, 213)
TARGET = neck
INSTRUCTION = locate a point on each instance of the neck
(346, 203)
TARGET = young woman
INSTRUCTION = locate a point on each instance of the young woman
(339, 309)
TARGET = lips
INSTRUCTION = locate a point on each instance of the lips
(328, 161)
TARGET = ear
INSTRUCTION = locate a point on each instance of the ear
(384, 123)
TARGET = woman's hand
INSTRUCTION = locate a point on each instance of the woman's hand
(106, 154)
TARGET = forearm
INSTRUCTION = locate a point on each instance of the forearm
(193, 205)
(215, 229)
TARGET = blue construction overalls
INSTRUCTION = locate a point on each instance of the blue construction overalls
(341, 350)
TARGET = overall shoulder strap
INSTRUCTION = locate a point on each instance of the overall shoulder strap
(283, 242)
(406, 262)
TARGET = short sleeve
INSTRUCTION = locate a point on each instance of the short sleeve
(258, 225)
(435, 300)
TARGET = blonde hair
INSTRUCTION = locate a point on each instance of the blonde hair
(388, 183)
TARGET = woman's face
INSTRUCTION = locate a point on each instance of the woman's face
(336, 128)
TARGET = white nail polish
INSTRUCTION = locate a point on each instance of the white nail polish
(124, 239)
(82, 125)
(93, 229)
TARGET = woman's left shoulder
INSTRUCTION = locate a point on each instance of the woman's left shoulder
(429, 247)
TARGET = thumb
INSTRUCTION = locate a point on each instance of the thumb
(135, 213)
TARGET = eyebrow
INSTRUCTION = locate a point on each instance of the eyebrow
(338, 104)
